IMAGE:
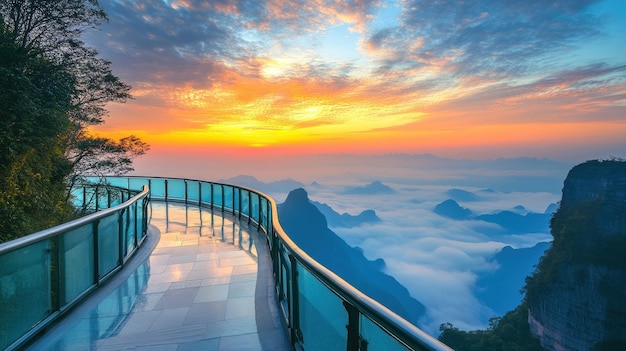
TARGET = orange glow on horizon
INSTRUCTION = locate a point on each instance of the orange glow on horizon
(283, 111)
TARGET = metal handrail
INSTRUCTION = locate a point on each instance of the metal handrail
(64, 227)
(383, 315)
(57, 306)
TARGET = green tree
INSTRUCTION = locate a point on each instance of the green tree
(35, 122)
(53, 89)
(508, 333)
(53, 29)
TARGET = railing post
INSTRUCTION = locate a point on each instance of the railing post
(223, 198)
(135, 224)
(144, 222)
(296, 334)
(84, 198)
(240, 204)
(200, 197)
(186, 192)
(353, 342)
(97, 198)
(166, 189)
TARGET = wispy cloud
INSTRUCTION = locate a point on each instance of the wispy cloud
(328, 70)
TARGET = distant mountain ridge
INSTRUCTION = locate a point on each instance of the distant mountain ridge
(308, 228)
(279, 186)
(373, 188)
(510, 222)
(345, 220)
(500, 290)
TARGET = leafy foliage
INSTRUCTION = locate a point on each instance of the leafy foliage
(511, 333)
(52, 89)
(575, 232)
(34, 124)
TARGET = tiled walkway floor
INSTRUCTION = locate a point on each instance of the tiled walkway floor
(201, 288)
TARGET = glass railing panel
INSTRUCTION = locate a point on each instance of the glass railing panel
(285, 281)
(157, 188)
(176, 189)
(377, 338)
(138, 219)
(128, 231)
(136, 183)
(76, 194)
(77, 262)
(25, 284)
(115, 181)
(254, 206)
(103, 197)
(89, 199)
(108, 244)
(237, 197)
(207, 194)
(193, 191)
(321, 313)
(228, 197)
(264, 208)
(116, 196)
(40, 278)
(245, 202)
(217, 195)
(270, 224)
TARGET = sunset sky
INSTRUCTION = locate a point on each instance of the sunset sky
(474, 78)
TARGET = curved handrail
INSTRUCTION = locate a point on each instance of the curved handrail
(356, 303)
(388, 319)
(65, 227)
(45, 273)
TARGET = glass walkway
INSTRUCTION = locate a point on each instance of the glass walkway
(200, 288)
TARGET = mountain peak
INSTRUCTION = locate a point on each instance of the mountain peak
(298, 196)
(308, 228)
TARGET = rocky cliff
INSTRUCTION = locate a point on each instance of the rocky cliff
(577, 295)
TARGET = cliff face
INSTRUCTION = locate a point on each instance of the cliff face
(577, 295)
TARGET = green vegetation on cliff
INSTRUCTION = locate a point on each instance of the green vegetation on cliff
(510, 332)
(582, 229)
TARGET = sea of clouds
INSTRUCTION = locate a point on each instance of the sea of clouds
(438, 259)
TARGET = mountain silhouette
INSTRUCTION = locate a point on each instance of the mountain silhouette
(308, 228)
(345, 220)
(515, 223)
(462, 195)
(453, 210)
(509, 221)
(500, 289)
(373, 188)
